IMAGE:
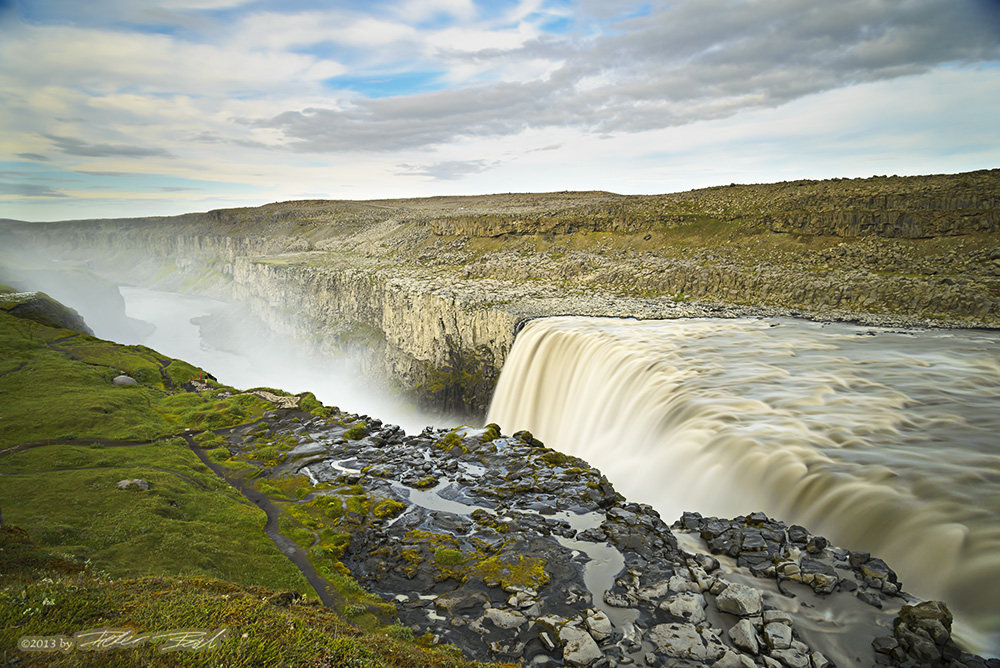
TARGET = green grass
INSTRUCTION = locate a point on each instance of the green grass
(188, 523)
(59, 388)
(43, 596)
(189, 552)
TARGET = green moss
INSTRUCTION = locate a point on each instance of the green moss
(444, 556)
(357, 432)
(522, 571)
(388, 508)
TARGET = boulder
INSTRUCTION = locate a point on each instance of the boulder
(744, 636)
(123, 381)
(135, 482)
(681, 641)
(599, 625)
(505, 619)
(689, 607)
(778, 635)
(740, 600)
(579, 648)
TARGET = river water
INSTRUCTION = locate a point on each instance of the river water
(882, 441)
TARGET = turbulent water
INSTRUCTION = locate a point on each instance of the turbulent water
(247, 357)
(883, 441)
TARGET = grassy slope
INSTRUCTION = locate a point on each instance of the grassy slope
(188, 553)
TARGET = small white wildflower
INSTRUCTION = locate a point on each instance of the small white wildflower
(246, 635)
(48, 601)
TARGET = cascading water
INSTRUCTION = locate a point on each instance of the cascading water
(883, 441)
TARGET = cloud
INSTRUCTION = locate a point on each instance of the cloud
(78, 147)
(114, 174)
(684, 62)
(29, 190)
(450, 170)
(175, 189)
(33, 156)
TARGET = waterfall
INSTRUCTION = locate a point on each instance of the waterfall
(882, 441)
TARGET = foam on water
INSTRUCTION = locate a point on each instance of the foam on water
(882, 441)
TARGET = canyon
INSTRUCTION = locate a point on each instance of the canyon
(429, 293)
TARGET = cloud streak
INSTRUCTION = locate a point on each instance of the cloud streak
(72, 146)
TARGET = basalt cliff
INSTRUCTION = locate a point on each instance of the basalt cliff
(433, 290)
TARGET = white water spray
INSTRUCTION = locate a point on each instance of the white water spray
(882, 441)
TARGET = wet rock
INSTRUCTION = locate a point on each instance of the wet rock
(599, 625)
(923, 630)
(740, 600)
(689, 607)
(744, 636)
(798, 534)
(579, 648)
(778, 635)
(505, 619)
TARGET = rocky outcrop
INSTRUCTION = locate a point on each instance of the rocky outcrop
(41, 308)
(514, 552)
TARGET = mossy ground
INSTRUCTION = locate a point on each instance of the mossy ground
(189, 552)
(50, 598)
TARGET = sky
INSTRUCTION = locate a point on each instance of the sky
(113, 108)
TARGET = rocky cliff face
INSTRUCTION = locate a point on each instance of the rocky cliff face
(432, 290)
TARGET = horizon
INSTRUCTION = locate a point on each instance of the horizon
(118, 110)
(501, 194)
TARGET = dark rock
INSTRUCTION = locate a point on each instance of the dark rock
(798, 534)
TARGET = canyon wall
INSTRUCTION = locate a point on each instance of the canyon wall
(429, 292)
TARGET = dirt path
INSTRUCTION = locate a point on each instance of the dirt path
(292, 551)
(286, 545)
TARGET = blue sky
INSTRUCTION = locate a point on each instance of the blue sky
(123, 108)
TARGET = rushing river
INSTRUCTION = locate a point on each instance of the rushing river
(883, 441)
(249, 357)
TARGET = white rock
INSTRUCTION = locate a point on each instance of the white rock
(741, 600)
(681, 584)
(679, 640)
(791, 658)
(777, 616)
(599, 625)
(688, 606)
(733, 659)
(579, 648)
(744, 636)
(778, 635)
(505, 619)
(819, 661)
